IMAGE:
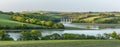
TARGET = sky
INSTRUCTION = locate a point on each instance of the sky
(60, 5)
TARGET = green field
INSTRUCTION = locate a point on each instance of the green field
(6, 20)
(61, 43)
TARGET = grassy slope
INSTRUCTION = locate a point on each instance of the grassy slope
(61, 43)
(6, 20)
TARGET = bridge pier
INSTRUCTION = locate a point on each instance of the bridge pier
(66, 20)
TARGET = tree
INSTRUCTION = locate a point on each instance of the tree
(25, 35)
(43, 23)
(119, 36)
(91, 37)
(33, 35)
(20, 19)
(14, 17)
(36, 35)
(27, 20)
(49, 23)
(60, 25)
(56, 36)
(38, 23)
(70, 36)
(113, 35)
(32, 21)
(55, 26)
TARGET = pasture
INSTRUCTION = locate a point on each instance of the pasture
(61, 43)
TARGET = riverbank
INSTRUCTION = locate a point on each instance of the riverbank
(61, 43)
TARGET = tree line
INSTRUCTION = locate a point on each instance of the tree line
(37, 35)
(47, 24)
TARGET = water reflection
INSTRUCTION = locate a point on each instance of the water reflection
(15, 36)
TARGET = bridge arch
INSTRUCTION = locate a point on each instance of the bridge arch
(66, 19)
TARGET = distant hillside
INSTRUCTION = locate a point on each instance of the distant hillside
(98, 18)
(48, 17)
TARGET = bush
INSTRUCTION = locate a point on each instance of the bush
(91, 37)
(74, 36)
(54, 36)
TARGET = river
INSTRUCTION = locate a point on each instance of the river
(16, 35)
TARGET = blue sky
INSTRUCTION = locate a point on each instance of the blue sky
(60, 5)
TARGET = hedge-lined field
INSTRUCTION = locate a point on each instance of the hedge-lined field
(6, 20)
(61, 43)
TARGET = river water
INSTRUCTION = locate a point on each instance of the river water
(15, 36)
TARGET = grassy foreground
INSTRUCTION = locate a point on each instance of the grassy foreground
(61, 43)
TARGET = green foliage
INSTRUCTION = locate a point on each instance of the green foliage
(91, 37)
(49, 23)
(25, 36)
(42, 23)
(114, 35)
(7, 23)
(33, 35)
(58, 25)
(18, 18)
(32, 20)
(36, 35)
(81, 36)
(46, 24)
(74, 36)
(23, 26)
(55, 26)
(54, 36)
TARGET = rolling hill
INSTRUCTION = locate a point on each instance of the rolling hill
(6, 20)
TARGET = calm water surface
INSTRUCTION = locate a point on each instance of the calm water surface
(15, 36)
(87, 32)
